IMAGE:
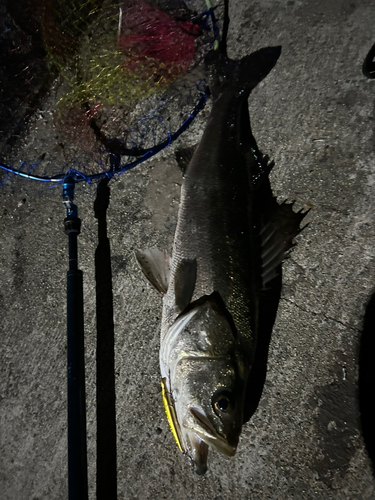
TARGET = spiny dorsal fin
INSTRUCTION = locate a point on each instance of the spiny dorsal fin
(184, 282)
(277, 238)
(155, 265)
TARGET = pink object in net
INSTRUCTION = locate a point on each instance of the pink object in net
(154, 43)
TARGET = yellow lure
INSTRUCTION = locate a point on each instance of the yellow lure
(171, 414)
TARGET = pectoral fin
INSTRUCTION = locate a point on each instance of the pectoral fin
(156, 267)
(184, 282)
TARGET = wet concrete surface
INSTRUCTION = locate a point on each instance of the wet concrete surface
(314, 115)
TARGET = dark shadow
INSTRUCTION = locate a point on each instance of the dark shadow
(106, 473)
(268, 305)
(368, 68)
(367, 380)
(286, 223)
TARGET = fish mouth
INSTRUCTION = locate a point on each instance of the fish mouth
(207, 433)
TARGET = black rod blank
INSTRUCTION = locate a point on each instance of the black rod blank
(77, 448)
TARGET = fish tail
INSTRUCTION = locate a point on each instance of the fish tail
(242, 75)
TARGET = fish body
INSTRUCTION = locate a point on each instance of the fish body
(230, 239)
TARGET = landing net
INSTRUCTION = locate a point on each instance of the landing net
(94, 88)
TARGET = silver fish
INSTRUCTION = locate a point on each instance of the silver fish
(221, 287)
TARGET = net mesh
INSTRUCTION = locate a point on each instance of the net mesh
(85, 78)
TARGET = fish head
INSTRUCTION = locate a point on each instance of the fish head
(205, 378)
(209, 408)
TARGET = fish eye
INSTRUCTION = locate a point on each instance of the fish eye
(222, 403)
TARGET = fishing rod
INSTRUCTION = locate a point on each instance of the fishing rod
(77, 449)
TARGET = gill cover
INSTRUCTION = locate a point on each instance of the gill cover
(203, 382)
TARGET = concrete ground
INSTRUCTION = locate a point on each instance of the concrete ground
(314, 115)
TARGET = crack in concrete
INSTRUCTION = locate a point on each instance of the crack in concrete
(320, 314)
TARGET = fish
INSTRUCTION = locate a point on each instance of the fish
(222, 284)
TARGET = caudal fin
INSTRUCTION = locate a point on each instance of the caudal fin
(241, 75)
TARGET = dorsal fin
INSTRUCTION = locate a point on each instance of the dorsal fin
(277, 238)
(155, 265)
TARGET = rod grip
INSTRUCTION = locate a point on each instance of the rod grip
(77, 452)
